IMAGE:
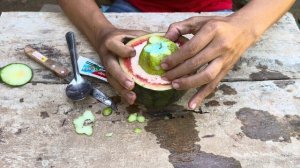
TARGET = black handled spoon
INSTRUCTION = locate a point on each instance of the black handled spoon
(78, 88)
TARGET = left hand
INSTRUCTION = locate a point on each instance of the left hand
(218, 42)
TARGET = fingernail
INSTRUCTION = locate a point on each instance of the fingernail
(164, 78)
(129, 84)
(175, 85)
(164, 65)
(133, 53)
(193, 106)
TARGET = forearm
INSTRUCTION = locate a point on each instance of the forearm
(86, 16)
(259, 15)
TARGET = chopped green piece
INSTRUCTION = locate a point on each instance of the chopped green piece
(109, 134)
(107, 111)
(140, 118)
(132, 117)
(138, 130)
(84, 123)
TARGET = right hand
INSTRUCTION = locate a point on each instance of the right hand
(110, 45)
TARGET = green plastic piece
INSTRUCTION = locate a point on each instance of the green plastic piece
(107, 111)
(84, 123)
(156, 50)
(138, 130)
(140, 118)
(132, 117)
(109, 134)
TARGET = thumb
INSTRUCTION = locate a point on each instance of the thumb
(188, 26)
(178, 29)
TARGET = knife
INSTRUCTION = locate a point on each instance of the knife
(65, 74)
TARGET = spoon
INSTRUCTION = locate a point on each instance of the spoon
(78, 88)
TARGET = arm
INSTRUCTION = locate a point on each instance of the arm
(106, 39)
(86, 16)
(219, 42)
(261, 14)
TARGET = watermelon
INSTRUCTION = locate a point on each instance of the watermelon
(144, 69)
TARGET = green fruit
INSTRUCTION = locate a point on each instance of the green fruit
(156, 50)
(151, 90)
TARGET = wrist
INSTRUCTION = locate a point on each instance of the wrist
(247, 24)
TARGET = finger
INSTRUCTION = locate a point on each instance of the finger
(192, 64)
(187, 26)
(128, 95)
(118, 48)
(178, 29)
(116, 44)
(190, 48)
(204, 91)
(201, 78)
(113, 67)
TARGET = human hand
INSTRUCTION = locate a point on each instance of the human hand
(217, 44)
(110, 45)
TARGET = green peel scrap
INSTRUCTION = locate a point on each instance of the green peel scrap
(110, 134)
(107, 111)
(137, 130)
(132, 117)
(140, 118)
(84, 123)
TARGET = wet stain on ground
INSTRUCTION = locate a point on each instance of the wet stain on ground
(262, 67)
(293, 122)
(208, 136)
(179, 136)
(229, 103)
(212, 103)
(63, 122)
(227, 90)
(44, 114)
(283, 84)
(258, 124)
(1, 136)
(278, 62)
(46, 31)
(236, 67)
(264, 74)
(200, 111)
(18, 132)
(49, 76)
(49, 51)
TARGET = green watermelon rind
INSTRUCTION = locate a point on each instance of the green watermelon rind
(150, 95)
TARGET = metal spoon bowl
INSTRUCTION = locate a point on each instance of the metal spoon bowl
(78, 88)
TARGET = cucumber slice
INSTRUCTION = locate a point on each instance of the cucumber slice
(16, 74)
